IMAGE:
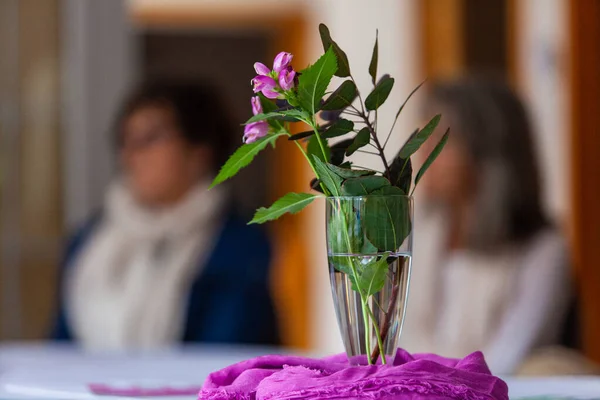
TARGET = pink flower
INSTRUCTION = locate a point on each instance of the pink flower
(266, 85)
(256, 106)
(286, 78)
(282, 61)
(261, 69)
(255, 130)
(262, 82)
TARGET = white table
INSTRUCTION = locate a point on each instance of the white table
(61, 372)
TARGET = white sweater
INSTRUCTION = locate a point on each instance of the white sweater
(504, 305)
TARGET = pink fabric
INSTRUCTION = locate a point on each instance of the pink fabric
(410, 377)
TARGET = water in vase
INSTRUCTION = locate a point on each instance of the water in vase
(386, 307)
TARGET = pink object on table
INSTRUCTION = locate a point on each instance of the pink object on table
(409, 377)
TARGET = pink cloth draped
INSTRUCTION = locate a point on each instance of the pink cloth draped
(410, 377)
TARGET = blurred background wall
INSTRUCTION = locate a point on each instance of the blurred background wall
(62, 81)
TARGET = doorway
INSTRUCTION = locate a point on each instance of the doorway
(196, 43)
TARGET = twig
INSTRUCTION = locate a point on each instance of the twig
(353, 113)
(388, 318)
(359, 96)
(378, 146)
(365, 168)
(367, 152)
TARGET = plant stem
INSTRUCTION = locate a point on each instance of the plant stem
(310, 162)
(367, 152)
(313, 125)
(359, 96)
(377, 145)
(365, 306)
(379, 339)
(305, 156)
(365, 312)
(387, 322)
(363, 299)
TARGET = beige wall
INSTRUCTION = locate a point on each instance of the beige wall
(543, 79)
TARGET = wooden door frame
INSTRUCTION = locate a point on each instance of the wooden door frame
(290, 272)
(442, 32)
(584, 22)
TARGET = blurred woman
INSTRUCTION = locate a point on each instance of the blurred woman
(167, 260)
(490, 272)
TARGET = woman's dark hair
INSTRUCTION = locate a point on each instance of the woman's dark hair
(493, 124)
(198, 109)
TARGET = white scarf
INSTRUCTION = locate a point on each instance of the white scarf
(129, 285)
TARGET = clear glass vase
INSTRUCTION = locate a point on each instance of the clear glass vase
(369, 249)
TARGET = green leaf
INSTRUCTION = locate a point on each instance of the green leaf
(362, 138)
(289, 203)
(338, 152)
(364, 185)
(313, 148)
(432, 156)
(374, 58)
(314, 80)
(347, 173)
(292, 115)
(380, 93)
(415, 141)
(332, 181)
(341, 98)
(338, 128)
(389, 191)
(387, 218)
(372, 276)
(243, 156)
(345, 234)
(267, 105)
(368, 247)
(341, 264)
(343, 64)
(302, 135)
(401, 173)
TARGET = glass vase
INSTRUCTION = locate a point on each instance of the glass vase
(369, 249)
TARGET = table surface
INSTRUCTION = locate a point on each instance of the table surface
(62, 372)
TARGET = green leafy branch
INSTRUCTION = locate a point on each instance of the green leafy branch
(350, 121)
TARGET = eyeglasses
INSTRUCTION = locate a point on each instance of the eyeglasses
(147, 139)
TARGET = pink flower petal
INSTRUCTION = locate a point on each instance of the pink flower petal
(255, 130)
(286, 78)
(261, 69)
(282, 61)
(262, 82)
(270, 94)
(256, 106)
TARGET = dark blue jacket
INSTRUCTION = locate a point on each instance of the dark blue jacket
(229, 300)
